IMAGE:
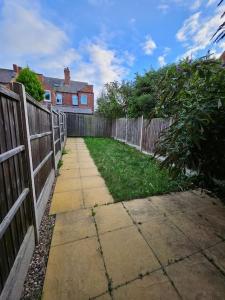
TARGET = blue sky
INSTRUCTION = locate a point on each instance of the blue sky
(105, 40)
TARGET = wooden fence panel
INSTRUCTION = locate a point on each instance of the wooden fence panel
(27, 163)
(152, 131)
(85, 125)
(134, 131)
(121, 125)
(15, 204)
(41, 144)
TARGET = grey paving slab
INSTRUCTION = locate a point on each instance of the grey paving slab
(154, 286)
(196, 278)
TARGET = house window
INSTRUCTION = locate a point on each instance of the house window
(58, 98)
(83, 99)
(47, 96)
(74, 100)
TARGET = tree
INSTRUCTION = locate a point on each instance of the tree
(113, 100)
(32, 85)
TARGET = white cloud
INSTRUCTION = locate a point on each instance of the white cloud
(211, 2)
(196, 4)
(161, 60)
(189, 27)
(103, 66)
(149, 46)
(197, 31)
(28, 37)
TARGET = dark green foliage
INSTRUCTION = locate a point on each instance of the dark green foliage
(32, 85)
(130, 174)
(194, 94)
(113, 101)
(133, 99)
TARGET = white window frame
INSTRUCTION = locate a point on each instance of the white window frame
(81, 99)
(50, 100)
(57, 103)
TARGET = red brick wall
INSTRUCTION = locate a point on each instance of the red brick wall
(67, 97)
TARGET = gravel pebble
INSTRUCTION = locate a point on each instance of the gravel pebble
(34, 282)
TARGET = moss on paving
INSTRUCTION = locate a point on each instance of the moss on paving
(130, 174)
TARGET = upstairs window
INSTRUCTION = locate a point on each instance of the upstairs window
(58, 98)
(83, 99)
(75, 100)
(47, 96)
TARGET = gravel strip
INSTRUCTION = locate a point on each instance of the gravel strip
(34, 282)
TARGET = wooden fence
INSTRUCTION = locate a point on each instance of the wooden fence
(85, 125)
(31, 140)
(140, 133)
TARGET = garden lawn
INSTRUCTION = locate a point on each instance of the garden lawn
(130, 174)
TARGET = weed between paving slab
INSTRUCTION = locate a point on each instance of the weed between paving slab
(34, 282)
(109, 280)
(162, 267)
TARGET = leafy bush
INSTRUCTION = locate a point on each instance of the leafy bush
(113, 101)
(194, 94)
(32, 85)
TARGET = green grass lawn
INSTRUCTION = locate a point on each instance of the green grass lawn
(128, 173)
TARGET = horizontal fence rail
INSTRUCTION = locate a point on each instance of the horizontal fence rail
(31, 141)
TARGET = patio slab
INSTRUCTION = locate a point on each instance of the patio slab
(111, 217)
(196, 229)
(89, 172)
(92, 182)
(73, 226)
(197, 278)
(66, 201)
(141, 210)
(126, 255)
(154, 286)
(96, 196)
(75, 271)
(72, 173)
(170, 244)
(217, 255)
(67, 184)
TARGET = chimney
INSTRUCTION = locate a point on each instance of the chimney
(67, 76)
(15, 68)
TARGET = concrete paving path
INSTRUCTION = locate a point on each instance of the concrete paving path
(167, 247)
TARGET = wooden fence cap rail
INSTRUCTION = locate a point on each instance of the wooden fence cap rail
(37, 104)
(6, 92)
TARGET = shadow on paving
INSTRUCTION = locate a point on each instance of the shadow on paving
(163, 247)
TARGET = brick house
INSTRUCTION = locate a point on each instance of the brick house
(65, 94)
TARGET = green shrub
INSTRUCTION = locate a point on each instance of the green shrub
(194, 94)
(32, 85)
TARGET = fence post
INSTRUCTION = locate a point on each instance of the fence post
(126, 130)
(59, 114)
(116, 129)
(19, 89)
(141, 134)
(53, 137)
